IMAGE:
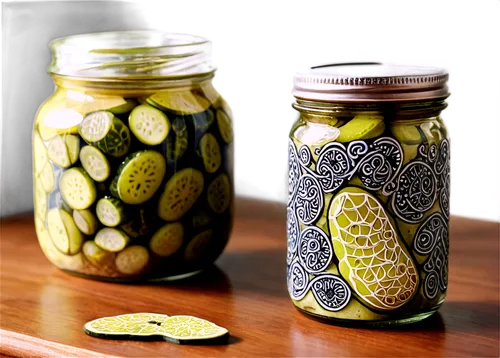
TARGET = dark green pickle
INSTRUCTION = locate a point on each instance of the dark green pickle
(368, 208)
(119, 208)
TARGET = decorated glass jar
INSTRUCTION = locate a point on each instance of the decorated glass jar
(369, 186)
(132, 157)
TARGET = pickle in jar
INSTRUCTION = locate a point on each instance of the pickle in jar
(77, 188)
(219, 193)
(86, 221)
(210, 153)
(149, 125)
(133, 260)
(361, 127)
(167, 240)
(112, 240)
(110, 211)
(95, 163)
(181, 102)
(64, 232)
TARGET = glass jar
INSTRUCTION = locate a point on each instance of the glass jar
(133, 168)
(369, 184)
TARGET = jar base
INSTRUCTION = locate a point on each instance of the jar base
(395, 322)
(138, 279)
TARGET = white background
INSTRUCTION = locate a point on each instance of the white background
(463, 36)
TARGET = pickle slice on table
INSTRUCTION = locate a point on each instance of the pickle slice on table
(180, 329)
(112, 240)
(219, 193)
(110, 211)
(139, 177)
(198, 245)
(210, 153)
(361, 127)
(107, 132)
(95, 163)
(149, 125)
(372, 257)
(132, 260)
(77, 188)
(86, 221)
(167, 240)
(181, 192)
(64, 232)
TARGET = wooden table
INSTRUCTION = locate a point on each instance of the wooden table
(43, 309)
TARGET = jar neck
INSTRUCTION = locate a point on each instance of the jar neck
(390, 110)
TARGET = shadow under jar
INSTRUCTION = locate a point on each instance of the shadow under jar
(133, 157)
(369, 184)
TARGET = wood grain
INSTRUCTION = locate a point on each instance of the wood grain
(42, 309)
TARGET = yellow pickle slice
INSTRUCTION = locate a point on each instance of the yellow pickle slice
(180, 329)
(372, 257)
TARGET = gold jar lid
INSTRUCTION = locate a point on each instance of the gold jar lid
(370, 82)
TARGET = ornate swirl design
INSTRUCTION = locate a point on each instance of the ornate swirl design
(334, 166)
(416, 192)
(314, 250)
(443, 157)
(305, 155)
(430, 233)
(308, 199)
(292, 234)
(331, 292)
(293, 170)
(298, 281)
(431, 285)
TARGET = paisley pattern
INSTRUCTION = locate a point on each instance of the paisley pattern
(298, 281)
(305, 155)
(293, 170)
(331, 292)
(292, 234)
(315, 250)
(308, 199)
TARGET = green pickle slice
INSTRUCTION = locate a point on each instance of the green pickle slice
(58, 152)
(225, 126)
(219, 193)
(139, 177)
(73, 146)
(77, 188)
(210, 152)
(86, 221)
(181, 192)
(110, 211)
(196, 247)
(40, 155)
(175, 329)
(180, 102)
(95, 163)
(177, 143)
(372, 257)
(47, 177)
(167, 240)
(361, 127)
(123, 108)
(149, 125)
(63, 231)
(97, 256)
(133, 260)
(112, 240)
(107, 132)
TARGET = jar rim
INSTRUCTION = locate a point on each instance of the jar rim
(131, 54)
(370, 82)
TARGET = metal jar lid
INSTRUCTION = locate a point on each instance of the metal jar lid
(370, 82)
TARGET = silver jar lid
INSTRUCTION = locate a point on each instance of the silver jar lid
(370, 82)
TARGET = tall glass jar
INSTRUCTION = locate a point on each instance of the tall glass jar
(369, 184)
(132, 157)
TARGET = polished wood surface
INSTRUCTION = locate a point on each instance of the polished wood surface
(42, 309)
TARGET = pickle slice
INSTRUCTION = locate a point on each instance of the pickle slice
(58, 152)
(95, 163)
(225, 126)
(196, 247)
(361, 127)
(111, 240)
(167, 240)
(97, 256)
(181, 192)
(178, 139)
(123, 108)
(175, 329)
(63, 231)
(210, 152)
(47, 177)
(179, 102)
(86, 221)
(77, 188)
(40, 200)
(40, 155)
(149, 125)
(73, 146)
(105, 131)
(133, 260)
(372, 257)
(110, 211)
(219, 193)
(140, 176)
